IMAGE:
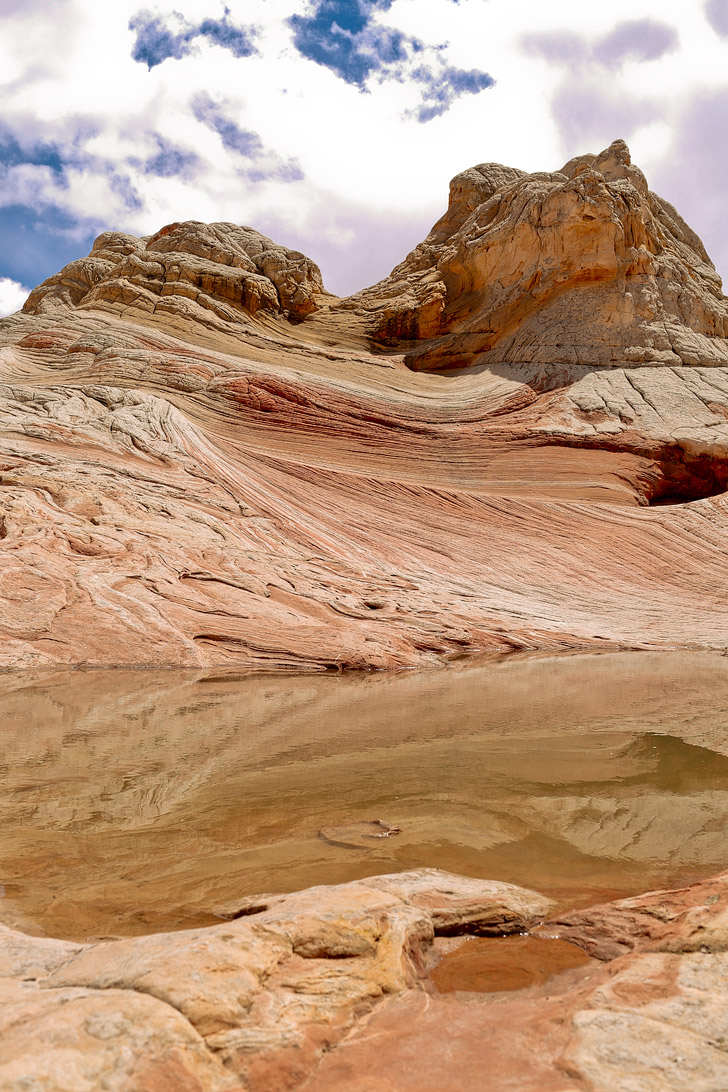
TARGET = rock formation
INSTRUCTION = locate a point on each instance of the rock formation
(331, 988)
(518, 440)
(582, 266)
(221, 268)
(207, 458)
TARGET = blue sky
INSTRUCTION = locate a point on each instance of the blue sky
(335, 125)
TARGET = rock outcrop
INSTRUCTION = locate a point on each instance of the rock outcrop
(582, 266)
(188, 269)
(251, 1003)
(650, 1018)
(331, 988)
(206, 458)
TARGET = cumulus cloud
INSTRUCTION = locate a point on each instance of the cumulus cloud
(158, 40)
(590, 108)
(631, 40)
(12, 296)
(590, 115)
(355, 244)
(344, 36)
(557, 46)
(696, 181)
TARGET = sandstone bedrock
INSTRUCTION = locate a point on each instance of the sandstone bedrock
(517, 440)
(331, 988)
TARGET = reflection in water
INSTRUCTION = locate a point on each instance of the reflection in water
(140, 800)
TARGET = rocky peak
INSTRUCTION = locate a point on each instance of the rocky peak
(584, 265)
(203, 272)
(581, 266)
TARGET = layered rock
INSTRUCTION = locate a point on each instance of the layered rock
(198, 271)
(581, 266)
(207, 458)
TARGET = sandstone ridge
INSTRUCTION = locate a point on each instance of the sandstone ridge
(207, 458)
(505, 276)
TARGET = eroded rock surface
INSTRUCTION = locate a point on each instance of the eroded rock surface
(206, 458)
(581, 266)
(252, 1003)
(331, 988)
(652, 1020)
(188, 269)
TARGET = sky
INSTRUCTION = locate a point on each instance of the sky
(334, 126)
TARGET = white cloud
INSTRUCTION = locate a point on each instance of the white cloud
(12, 296)
(71, 81)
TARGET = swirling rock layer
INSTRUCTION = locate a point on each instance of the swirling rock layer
(206, 458)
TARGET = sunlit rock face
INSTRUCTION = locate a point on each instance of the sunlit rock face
(207, 458)
(187, 269)
(582, 266)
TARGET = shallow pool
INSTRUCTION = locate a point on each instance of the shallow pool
(139, 800)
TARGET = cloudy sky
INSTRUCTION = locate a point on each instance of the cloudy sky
(335, 125)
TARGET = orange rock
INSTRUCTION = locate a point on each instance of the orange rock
(329, 988)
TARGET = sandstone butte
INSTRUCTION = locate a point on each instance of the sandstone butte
(519, 439)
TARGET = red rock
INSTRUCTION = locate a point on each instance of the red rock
(191, 477)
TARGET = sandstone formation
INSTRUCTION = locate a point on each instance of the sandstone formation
(225, 269)
(206, 458)
(250, 1004)
(582, 266)
(332, 988)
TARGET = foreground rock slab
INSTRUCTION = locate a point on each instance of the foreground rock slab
(651, 1019)
(251, 1003)
(330, 988)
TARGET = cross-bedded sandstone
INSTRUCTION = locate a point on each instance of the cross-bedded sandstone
(206, 457)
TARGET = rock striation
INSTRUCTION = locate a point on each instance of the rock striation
(517, 440)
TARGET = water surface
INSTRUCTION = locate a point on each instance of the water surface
(141, 800)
